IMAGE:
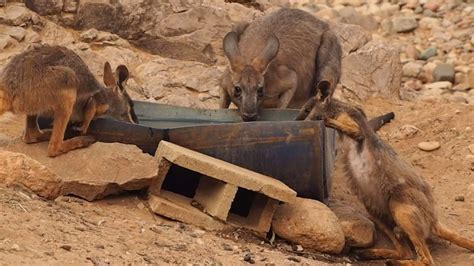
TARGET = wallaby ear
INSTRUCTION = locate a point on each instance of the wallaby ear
(261, 62)
(323, 91)
(121, 75)
(231, 51)
(109, 79)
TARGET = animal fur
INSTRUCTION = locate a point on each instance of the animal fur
(278, 61)
(53, 81)
(390, 188)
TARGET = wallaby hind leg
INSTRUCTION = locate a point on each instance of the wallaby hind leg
(409, 218)
(57, 144)
(400, 252)
(32, 132)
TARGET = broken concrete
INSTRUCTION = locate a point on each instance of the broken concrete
(217, 190)
(94, 172)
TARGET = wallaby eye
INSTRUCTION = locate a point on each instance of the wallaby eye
(237, 91)
(260, 91)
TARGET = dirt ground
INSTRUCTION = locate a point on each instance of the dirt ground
(121, 230)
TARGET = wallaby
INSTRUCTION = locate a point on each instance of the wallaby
(275, 62)
(54, 81)
(392, 191)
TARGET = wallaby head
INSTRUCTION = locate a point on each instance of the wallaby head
(119, 103)
(247, 75)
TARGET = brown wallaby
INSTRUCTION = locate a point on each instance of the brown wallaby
(390, 188)
(275, 61)
(54, 81)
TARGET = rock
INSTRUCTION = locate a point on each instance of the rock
(373, 70)
(406, 132)
(470, 78)
(411, 69)
(91, 173)
(19, 169)
(432, 5)
(311, 224)
(412, 52)
(429, 145)
(351, 37)
(359, 231)
(444, 85)
(15, 15)
(428, 53)
(443, 72)
(429, 23)
(6, 41)
(89, 35)
(350, 16)
(18, 33)
(70, 6)
(45, 7)
(248, 257)
(471, 148)
(459, 198)
(404, 24)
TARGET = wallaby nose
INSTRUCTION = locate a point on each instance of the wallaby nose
(249, 116)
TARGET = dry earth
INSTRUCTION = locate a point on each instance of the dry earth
(122, 230)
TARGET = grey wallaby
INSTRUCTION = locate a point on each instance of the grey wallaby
(392, 191)
(279, 61)
(54, 81)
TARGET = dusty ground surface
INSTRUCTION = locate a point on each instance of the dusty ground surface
(121, 230)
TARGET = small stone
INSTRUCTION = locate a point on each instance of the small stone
(227, 247)
(411, 69)
(428, 53)
(412, 52)
(429, 145)
(432, 5)
(248, 257)
(471, 148)
(15, 247)
(404, 23)
(443, 85)
(459, 198)
(66, 247)
(89, 35)
(6, 41)
(406, 132)
(295, 259)
(299, 248)
(443, 72)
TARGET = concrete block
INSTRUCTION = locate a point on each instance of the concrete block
(217, 192)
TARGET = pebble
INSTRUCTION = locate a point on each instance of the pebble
(295, 259)
(249, 258)
(404, 23)
(459, 198)
(428, 53)
(443, 72)
(66, 247)
(471, 148)
(443, 85)
(411, 69)
(429, 145)
(227, 247)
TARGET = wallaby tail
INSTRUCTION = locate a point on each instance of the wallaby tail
(453, 237)
(377, 122)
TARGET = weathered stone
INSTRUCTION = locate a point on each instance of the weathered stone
(404, 24)
(6, 41)
(411, 69)
(429, 23)
(70, 6)
(19, 169)
(373, 70)
(444, 85)
(18, 33)
(429, 145)
(443, 72)
(94, 172)
(351, 37)
(412, 52)
(429, 52)
(311, 224)
(15, 15)
(89, 35)
(359, 231)
(45, 7)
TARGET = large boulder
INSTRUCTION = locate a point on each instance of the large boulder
(45, 7)
(359, 230)
(90, 173)
(311, 224)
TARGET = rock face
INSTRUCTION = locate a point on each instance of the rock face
(311, 224)
(92, 173)
(359, 231)
(19, 169)
(372, 70)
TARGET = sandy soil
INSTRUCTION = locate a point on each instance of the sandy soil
(121, 230)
